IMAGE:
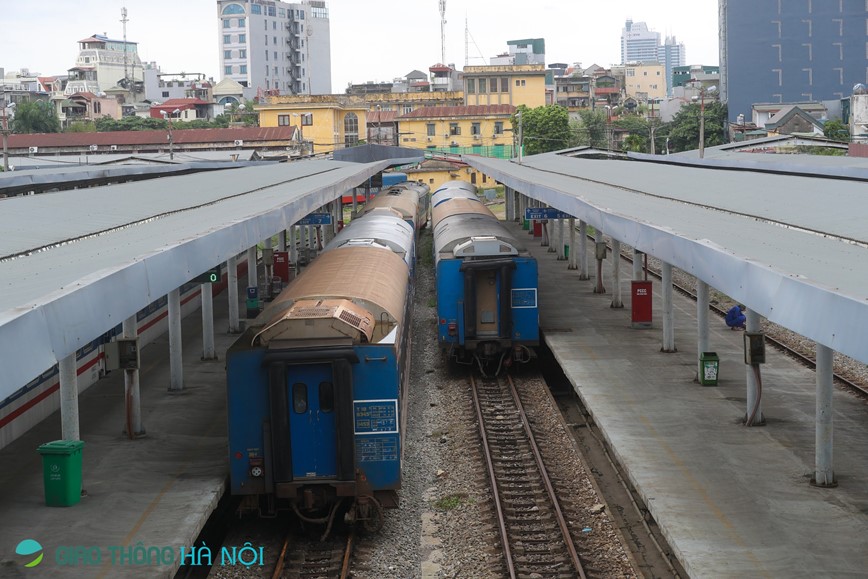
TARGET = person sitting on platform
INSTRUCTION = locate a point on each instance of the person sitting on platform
(735, 318)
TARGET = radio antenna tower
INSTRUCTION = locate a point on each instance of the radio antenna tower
(124, 22)
(442, 31)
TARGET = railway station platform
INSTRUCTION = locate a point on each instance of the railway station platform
(732, 501)
(154, 492)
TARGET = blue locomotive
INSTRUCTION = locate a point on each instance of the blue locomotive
(317, 383)
(486, 283)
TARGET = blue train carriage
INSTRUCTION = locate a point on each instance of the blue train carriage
(410, 199)
(486, 286)
(317, 386)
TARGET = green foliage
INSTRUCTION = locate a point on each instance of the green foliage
(636, 143)
(543, 129)
(821, 151)
(837, 131)
(684, 129)
(450, 502)
(131, 123)
(592, 130)
(81, 127)
(35, 117)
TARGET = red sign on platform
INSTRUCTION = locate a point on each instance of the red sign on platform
(642, 303)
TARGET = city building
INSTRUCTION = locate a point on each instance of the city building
(160, 86)
(525, 51)
(325, 122)
(683, 75)
(275, 48)
(480, 129)
(672, 54)
(520, 84)
(639, 43)
(645, 81)
(790, 52)
(444, 77)
(103, 64)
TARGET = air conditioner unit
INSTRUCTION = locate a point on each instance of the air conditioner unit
(93, 147)
(477, 137)
(34, 149)
(113, 147)
(239, 142)
(430, 139)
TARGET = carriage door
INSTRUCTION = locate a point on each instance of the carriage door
(486, 303)
(312, 421)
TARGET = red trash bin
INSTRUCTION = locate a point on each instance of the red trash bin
(642, 303)
(537, 228)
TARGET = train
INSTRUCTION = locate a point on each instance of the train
(487, 283)
(317, 384)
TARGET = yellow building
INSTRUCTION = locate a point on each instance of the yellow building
(325, 122)
(458, 127)
(518, 84)
(436, 172)
(645, 81)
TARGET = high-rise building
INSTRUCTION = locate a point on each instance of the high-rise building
(104, 63)
(787, 52)
(671, 55)
(638, 43)
(276, 47)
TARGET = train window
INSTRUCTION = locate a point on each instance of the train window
(326, 396)
(299, 397)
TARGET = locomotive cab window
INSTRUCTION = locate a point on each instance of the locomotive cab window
(326, 397)
(299, 397)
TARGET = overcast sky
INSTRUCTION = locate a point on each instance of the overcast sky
(370, 39)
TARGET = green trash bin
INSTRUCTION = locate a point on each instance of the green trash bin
(61, 472)
(567, 251)
(709, 365)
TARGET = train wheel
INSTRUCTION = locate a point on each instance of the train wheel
(371, 514)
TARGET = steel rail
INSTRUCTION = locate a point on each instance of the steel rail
(562, 522)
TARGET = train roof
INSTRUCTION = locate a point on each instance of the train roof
(459, 207)
(382, 227)
(373, 278)
(457, 185)
(403, 199)
(453, 233)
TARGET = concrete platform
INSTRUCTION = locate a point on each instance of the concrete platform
(732, 501)
(157, 491)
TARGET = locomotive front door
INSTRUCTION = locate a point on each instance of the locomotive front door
(486, 303)
(312, 421)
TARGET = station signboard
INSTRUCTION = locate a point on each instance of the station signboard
(316, 219)
(537, 213)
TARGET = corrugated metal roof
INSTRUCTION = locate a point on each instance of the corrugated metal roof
(460, 111)
(179, 136)
(90, 258)
(791, 248)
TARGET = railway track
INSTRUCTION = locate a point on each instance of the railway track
(314, 559)
(534, 533)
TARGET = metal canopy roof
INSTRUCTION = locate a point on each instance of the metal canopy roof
(794, 249)
(85, 260)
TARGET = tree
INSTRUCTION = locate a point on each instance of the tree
(684, 127)
(837, 131)
(636, 143)
(593, 130)
(35, 117)
(543, 129)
